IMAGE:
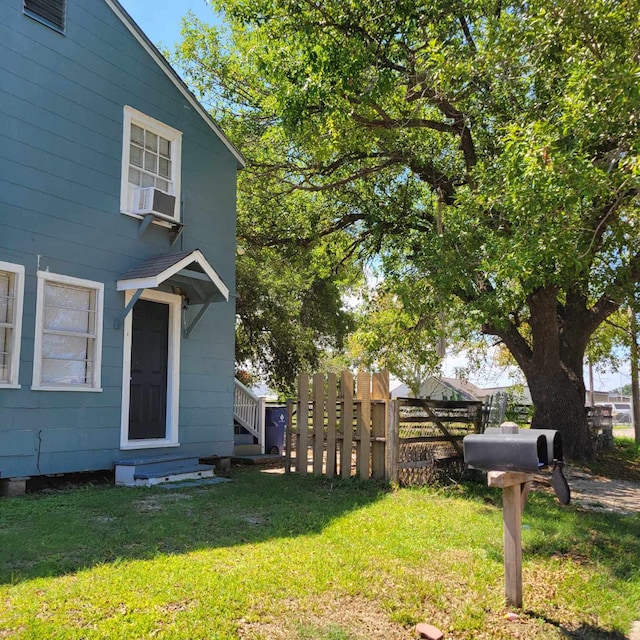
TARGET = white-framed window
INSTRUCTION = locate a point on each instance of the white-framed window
(151, 157)
(11, 296)
(68, 336)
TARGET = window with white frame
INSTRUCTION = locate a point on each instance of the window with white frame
(11, 295)
(68, 339)
(151, 158)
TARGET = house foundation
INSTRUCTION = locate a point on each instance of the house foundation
(11, 487)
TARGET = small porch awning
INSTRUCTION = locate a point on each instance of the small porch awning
(187, 274)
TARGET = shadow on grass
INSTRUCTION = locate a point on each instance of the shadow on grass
(47, 535)
(583, 632)
(570, 532)
(609, 539)
(588, 632)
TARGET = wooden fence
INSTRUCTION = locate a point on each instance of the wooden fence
(351, 426)
(427, 438)
(339, 429)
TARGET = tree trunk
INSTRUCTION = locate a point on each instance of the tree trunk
(559, 404)
(552, 362)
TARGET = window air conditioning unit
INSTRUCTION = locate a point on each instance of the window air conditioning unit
(152, 200)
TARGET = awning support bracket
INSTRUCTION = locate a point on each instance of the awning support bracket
(125, 312)
(176, 232)
(144, 224)
(194, 323)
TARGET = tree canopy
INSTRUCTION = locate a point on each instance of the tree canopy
(289, 307)
(490, 148)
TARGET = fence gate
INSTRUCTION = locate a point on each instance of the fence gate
(427, 437)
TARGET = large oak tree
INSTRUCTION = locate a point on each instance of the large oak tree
(490, 147)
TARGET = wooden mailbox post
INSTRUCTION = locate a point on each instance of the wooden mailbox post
(515, 487)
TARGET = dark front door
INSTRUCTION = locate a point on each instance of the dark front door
(149, 352)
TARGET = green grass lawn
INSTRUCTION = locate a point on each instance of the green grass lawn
(275, 556)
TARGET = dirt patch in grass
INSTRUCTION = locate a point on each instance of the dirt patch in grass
(147, 504)
(355, 618)
(155, 502)
(597, 493)
(348, 618)
(609, 484)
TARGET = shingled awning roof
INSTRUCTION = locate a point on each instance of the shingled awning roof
(187, 273)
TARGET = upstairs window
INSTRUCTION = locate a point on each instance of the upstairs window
(11, 294)
(67, 350)
(49, 12)
(151, 157)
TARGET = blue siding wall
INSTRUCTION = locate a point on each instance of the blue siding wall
(61, 118)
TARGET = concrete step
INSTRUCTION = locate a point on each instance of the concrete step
(258, 459)
(246, 449)
(160, 469)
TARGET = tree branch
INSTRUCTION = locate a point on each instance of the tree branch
(418, 90)
(408, 123)
(609, 213)
(339, 225)
(467, 33)
(511, 337)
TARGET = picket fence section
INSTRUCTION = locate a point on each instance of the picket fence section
(339, 429)
(346, 426)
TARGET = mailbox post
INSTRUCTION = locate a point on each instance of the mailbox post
(515, 486)
(511, 456)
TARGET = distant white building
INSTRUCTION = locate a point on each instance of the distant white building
(440, 389)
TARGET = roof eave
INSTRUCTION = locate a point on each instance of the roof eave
(163, 63)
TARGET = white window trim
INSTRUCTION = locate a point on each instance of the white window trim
(98, 287)
(173, 373)
(18, 271)
(147, 122)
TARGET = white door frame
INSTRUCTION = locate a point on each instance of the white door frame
(173, 372)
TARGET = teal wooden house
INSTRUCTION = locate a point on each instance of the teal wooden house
(117, 249)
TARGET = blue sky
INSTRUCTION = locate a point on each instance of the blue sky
(161, 19)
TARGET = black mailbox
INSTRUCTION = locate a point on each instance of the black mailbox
(523, 450)
(553, 438)
(527, 450)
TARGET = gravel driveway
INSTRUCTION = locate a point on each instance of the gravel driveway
(603, 494)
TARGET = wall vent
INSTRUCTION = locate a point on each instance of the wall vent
(50, 12)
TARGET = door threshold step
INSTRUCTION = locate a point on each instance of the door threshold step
(185, 484)
(162, 458)
(148, 472)
(152, 479)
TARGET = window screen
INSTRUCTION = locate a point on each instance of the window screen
(69, 334)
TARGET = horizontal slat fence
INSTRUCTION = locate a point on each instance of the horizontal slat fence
(429, 437)
(339, 429)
